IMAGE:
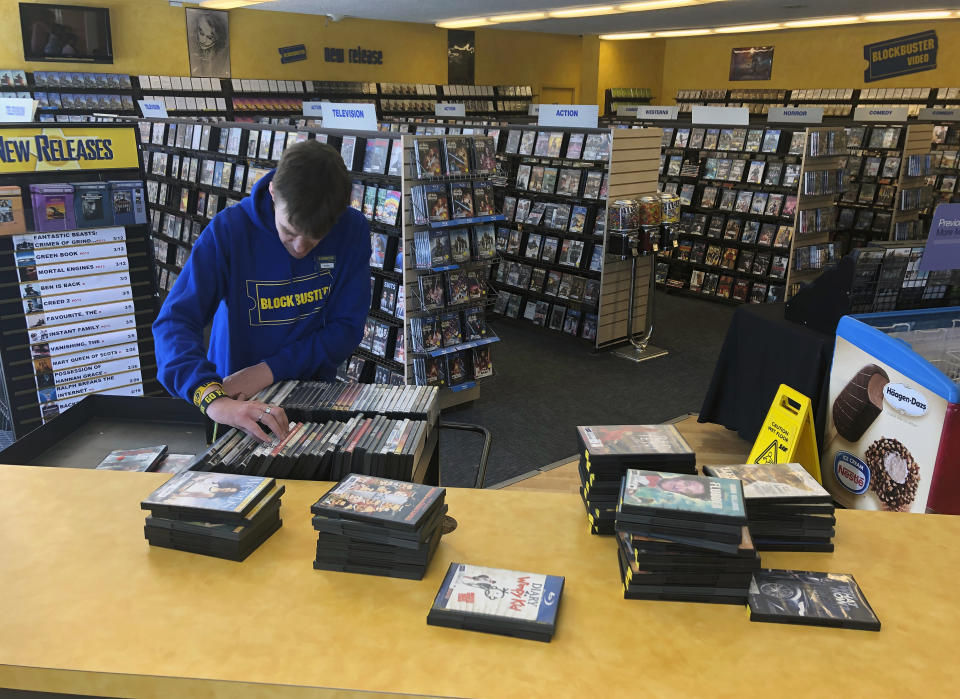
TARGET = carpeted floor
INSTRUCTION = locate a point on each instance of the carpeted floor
(547, 383)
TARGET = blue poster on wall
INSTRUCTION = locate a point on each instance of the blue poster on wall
(901, 56)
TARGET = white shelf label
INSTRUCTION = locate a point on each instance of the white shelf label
(578, 115)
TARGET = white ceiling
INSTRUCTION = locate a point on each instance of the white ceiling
(694, 16)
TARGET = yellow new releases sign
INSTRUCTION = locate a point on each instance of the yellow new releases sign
(67, 148)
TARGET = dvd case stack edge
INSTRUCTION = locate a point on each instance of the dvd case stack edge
(607, 451)
(683, 538)
(378, 526)
(226, 516)
(787, 509)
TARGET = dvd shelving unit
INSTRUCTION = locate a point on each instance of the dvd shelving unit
(914, 194)
(887, 278)
(553, 271)
(887, 189)
(945, 164)
(872, 169)
(447, 257)
(836, 102)
(77, 298)
(616, 97)
(738, 190)
(194, 170)
(822, 181)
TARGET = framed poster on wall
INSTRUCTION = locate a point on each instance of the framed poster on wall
(751, 63)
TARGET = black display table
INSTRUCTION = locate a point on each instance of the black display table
(761, 351)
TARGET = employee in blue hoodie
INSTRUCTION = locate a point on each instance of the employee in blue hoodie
(284, 276)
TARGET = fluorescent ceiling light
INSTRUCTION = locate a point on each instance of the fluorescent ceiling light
(462, 23)
(906, 16)
(583, 11)
(684, 32)
(658, 5)
(228, 4)
(627, 35)
(518, 17)
(822, 22)
(748, 28)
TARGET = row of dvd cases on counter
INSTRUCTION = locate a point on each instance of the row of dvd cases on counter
(194, 170)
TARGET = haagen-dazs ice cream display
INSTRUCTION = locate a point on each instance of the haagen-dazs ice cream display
(892, 438)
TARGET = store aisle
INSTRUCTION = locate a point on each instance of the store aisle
(539, 395)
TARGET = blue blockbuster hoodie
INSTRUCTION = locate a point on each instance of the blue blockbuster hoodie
(302, 317)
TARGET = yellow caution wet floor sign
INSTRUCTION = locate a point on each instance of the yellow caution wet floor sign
(787, 435)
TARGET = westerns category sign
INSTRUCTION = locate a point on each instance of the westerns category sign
(901, 56)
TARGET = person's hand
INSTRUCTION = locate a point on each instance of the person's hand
(248, 382)
(246, 414)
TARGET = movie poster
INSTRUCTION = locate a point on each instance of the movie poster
(751, 63)
(461, 52)
(208, 43)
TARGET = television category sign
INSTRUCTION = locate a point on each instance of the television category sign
(907, 54)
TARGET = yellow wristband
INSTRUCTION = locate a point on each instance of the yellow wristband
(202, 388)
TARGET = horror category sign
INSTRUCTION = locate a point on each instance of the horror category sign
(901, 56)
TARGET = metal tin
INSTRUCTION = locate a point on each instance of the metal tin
(650, 213)
(623, 215)
(670, 208)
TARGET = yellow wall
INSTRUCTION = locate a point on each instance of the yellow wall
(149, 36)
(631, 64)
(807, 58)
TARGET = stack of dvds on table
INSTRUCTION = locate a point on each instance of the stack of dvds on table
(227, 516)
(607, 451)
(684, 538)
(378, 526)
(787, 510)
(506, 602)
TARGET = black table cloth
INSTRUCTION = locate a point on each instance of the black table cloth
(761, 351)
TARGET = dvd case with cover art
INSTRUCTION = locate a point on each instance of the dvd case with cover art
(438, 203)
(375, 156)
(773, 483)
(811, 598)
(92, 205)
(53, 208)
(380, 501)
(142, 459)
(462, 200)
(429, 157)
(207, 496)
(494, 600)
(457, 152)
(683, 496)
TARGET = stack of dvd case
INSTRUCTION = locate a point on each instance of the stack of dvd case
(506, 602)
(787, 510)
(378, 526)
(684, 538)
(810, 598)
(377, 445)
(317, 401)
(226, 516)
(607, 451)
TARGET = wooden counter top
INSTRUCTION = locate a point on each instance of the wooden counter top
(89, 607)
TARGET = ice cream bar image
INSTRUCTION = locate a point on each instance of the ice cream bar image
(860, 402)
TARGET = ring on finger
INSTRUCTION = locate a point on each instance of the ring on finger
(267, 410)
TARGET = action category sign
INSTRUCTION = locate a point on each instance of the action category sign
(907, 54)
